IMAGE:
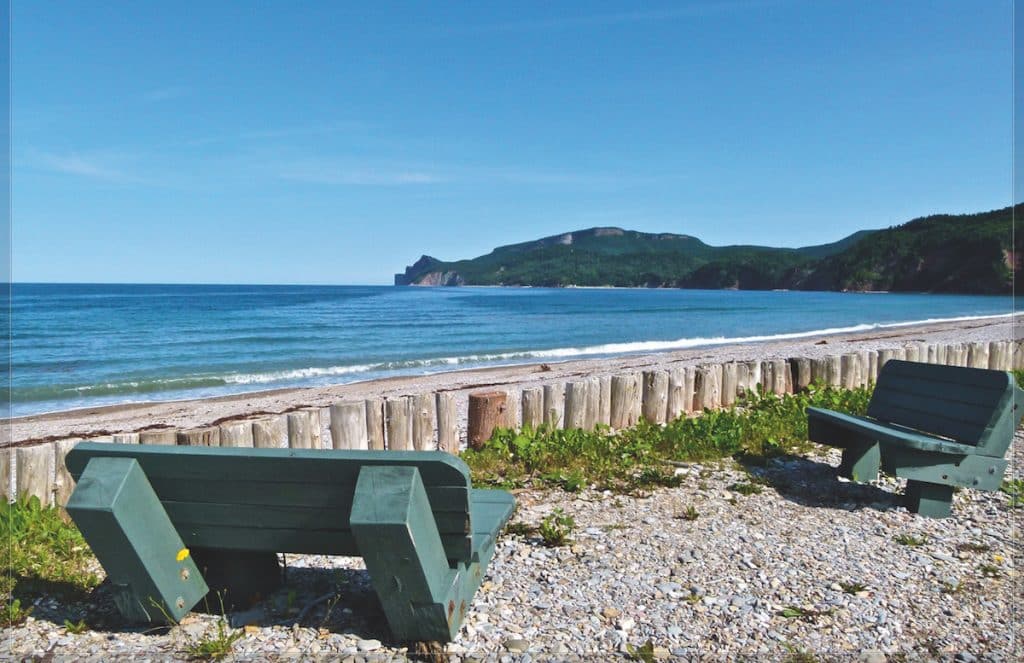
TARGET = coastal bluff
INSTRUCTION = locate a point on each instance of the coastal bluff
(965, 253)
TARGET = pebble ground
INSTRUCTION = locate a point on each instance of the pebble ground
(808, 569)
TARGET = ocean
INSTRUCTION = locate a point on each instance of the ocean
(79, 345)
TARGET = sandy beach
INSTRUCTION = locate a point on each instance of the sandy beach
(97, 421)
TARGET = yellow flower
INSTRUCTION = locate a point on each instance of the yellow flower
(182, 554)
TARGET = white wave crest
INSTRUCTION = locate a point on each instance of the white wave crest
(569, 352)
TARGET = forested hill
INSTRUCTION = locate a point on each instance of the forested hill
(968, 253)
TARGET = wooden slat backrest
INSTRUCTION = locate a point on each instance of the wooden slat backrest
(283, 500)
(970, 405)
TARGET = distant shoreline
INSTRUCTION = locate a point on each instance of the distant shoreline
(190, 413)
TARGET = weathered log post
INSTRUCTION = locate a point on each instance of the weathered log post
(554, 405)
(374, 423)
(863, 363)
(922, 351)
(753, 377)
(398, 423)
(7, 479)
(159, 436)
(849, 370)
(884, 355)
(487, 411)
(707, 388)
(270, 432)
(999, 356)
(730, 383)
(593, 411)
(782, 377)
(977, 355)
(835, 370)
(35, 472)
(575, 404)
(623, 387)
(605, 409)
(63, 484)
(819, 370)
(933, 353)
(941, 350)
(872, 371)
(208, 436)
(125, 438)
(300, 432)
(677, 398)
(237, 434)
(800, 369)
(533, 407)
(348, 425)
(1018, 355)
(447, 423)
(911, 352)
(424, 419)
(654, 400)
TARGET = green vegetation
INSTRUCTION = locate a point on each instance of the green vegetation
(756, 429)
(806, 614)
(644, 652)
(556, 528)
(910, 540)
(51, 558)
(216, 646)
(689, 514)
(746, 488)
(853, 587)
(13, 614)
(1015, 489)
(941, 253)
(74, 628)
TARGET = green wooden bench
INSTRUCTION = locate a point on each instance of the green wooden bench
(425, 534)
(937, 426)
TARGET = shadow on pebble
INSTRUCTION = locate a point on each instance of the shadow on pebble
(816, 484)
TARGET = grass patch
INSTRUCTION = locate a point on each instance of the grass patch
(746, 488)
(910, 540)
(644, 652)
(556, 528)
(690, 513)
(757, 428)
(50, 556)
(75, 628)
(806, 614)
(853, 587)
(1015, 489)
(520, 529)
(990, 570)
(216, 646)
(13, 614)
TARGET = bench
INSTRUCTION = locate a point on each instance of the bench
(154, 516)
(937, 426)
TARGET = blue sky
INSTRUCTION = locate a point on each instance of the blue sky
(231, 142)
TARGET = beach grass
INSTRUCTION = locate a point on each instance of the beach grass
(756, 429)
(47, 555)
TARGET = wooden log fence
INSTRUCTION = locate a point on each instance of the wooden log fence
(432, 421)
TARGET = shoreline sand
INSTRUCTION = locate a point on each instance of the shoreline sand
(127, 417)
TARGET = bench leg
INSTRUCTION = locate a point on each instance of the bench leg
(860, 462)
(929, 499)
(121, 518)
(397, 537)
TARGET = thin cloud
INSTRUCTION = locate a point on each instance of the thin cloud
(80, 165)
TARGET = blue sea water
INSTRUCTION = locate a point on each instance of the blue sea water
(77, 345)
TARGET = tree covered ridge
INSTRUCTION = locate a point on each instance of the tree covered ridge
(967, 253)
